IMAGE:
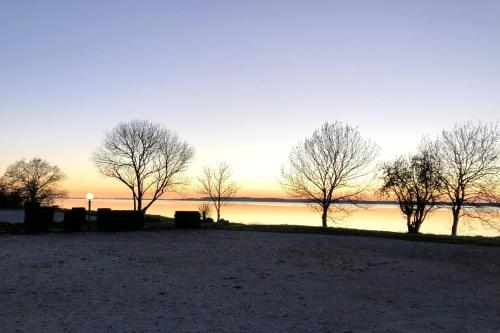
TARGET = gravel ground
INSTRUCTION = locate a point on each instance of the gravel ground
(216, 280)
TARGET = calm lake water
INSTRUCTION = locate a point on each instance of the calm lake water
(372, 217)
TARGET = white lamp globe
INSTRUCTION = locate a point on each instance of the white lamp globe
(89, 196)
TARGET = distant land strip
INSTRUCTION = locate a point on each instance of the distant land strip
(284, 200)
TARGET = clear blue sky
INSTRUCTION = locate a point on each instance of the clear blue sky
(242, 81)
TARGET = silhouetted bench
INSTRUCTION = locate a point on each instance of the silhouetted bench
(187, 219)
(74, 219)
(119, 220)
(38, 219)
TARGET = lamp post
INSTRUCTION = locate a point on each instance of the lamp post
(89, 197)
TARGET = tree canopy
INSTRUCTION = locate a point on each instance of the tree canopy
(470, 158)
(326, 168)
(36, 181)
(416, 183)
(146, 157)
(216, 183)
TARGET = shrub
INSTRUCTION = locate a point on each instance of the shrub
(74, 219)
(38, 219)
(187, 219)
(10, 199)
(119, 220)
(205, 209)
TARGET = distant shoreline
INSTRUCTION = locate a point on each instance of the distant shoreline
(247, 199)
(283, 200)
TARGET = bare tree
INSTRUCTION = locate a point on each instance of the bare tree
(215, 182)
(36, 181)
(146, 157)
(327, 168)
(470, 155)
(205, 209)
(416, 183)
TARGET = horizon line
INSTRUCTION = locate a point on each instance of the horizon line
(271, 199)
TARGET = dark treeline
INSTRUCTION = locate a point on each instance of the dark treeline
(10, 199)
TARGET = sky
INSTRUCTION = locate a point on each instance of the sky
(241, 81)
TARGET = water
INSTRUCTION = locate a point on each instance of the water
(372, 217)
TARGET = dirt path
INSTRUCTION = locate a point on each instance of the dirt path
(213, 280)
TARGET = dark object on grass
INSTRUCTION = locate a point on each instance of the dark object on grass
(119, 220)
(74, 219)
(187, 219)
(38, 219)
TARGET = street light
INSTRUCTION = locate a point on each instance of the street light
(89, 197)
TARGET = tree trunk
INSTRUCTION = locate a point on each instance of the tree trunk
(218, 205)
(412, 228)
(324, 216)
(455, 223)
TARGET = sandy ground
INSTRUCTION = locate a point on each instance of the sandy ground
(215, 280)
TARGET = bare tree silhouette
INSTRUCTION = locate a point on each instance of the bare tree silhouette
(327, 168)
(146, 157)
(36, 181)
(470, 156)
(415, 181)
(215, 182)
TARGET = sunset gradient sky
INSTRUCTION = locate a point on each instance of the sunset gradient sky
(242, 81)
